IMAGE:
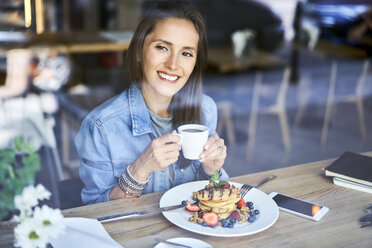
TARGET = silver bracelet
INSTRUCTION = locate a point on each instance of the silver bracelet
(124, 178)
(126, 191)
(135, 180)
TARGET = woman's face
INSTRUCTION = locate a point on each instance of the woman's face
(169, 55)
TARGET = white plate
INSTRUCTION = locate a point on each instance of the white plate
(269, 211)
(195, 243)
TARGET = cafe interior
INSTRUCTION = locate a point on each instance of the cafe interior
(292, 79)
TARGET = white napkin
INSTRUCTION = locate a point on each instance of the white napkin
(84, 232)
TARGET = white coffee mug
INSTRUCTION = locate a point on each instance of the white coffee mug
(242, 41)
(193, 138)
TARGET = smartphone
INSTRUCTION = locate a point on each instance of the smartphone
(298, 207)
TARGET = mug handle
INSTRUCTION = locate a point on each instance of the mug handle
(181, 137)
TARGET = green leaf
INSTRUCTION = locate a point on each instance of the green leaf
(11, 172)
(215, 181)
(7, 155)
(15, 174)
(20, 145)
(215, 176)
(221, 182)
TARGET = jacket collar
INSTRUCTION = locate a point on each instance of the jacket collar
(141, 122)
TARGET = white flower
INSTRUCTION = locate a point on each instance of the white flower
(41, 192)
(27, 235)
(36, 225)
(29, 199)
(50, 221)
(23, 206)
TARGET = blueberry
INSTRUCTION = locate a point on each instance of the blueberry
(230, 225)
(213, 226)
(251, 219)
(233, 220)
(223, 221)
(250, 205)
(204, 224)
(224, 224)
(257, 211)
(252, 213)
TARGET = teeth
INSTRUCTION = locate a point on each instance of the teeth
(167, 77)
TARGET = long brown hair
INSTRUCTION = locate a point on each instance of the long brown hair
(186, 104)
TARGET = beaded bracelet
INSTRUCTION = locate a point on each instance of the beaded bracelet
(126, 191)
(129, 184)
(135, 180)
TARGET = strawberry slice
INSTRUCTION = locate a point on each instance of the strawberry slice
(210, 218)
(192, 207)
(241, 203)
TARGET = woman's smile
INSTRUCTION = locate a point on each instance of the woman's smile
(172, 78)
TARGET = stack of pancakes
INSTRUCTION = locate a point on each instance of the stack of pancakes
(218, 200)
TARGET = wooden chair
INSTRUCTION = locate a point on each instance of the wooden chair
(225, 120)
(356, 97)
(303, 95)
(278, 108)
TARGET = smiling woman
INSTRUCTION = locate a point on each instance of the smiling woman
(127, 145)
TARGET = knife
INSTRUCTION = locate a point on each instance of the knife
(139, 213)
(267, 179)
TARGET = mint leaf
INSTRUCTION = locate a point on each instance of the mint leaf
(214, 178)
(216, 175)
(222, 182)
(215, 181)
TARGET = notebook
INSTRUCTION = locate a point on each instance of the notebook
(353, 167)
(352, 185)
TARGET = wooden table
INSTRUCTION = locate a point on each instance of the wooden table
(339, 228)
(73, 42)
(223, 59)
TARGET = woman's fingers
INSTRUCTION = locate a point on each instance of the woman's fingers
(214, 149)
(218, 153)
(211, 140)
(165, 150)
(170, 138)
(171, 155)
(167, 142)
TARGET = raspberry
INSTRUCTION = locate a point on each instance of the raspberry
(235, 214)
(225, 186)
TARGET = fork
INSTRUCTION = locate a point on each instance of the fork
(245, 188)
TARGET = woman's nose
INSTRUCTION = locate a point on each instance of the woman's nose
(171, 61)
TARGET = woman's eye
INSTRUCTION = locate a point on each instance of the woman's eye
(187, 54)
(161, 48)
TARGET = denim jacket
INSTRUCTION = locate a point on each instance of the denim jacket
(113, 136)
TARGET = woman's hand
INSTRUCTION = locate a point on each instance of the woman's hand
(160, 153)
(214, 154)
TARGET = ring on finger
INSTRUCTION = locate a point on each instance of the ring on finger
(222, 148)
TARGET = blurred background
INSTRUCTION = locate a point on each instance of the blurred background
(292, 79)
